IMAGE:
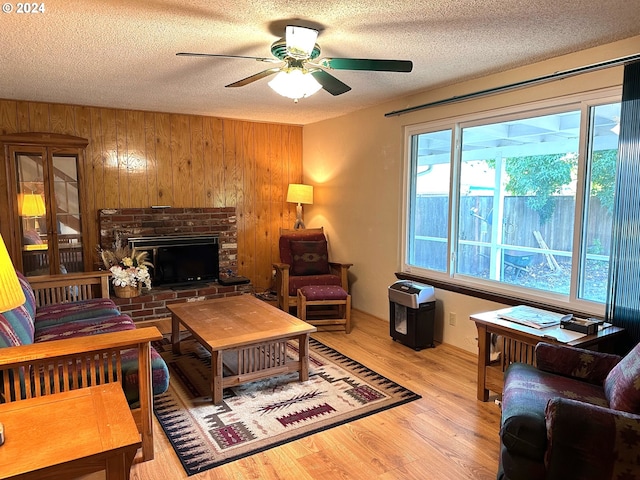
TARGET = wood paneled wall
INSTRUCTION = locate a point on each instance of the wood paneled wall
(139, 159)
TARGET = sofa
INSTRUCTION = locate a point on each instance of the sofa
(574, 415)
(70, 317)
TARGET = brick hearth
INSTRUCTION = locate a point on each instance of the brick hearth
(153, 304)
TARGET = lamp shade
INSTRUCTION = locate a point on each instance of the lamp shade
(295, 83)
(300, 41)
(299, 193)
(11, 294)
(31, 205)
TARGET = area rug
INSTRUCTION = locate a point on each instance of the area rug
(266, 413)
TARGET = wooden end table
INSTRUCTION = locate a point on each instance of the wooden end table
(246, 337)
(65, 435)
(519, 343)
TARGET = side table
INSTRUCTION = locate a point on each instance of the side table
(519, 342)
(69, 434)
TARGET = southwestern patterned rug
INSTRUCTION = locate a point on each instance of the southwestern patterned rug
(266, 413)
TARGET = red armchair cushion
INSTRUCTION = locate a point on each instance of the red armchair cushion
(323, 292)
(310, 257)
(622, 385)
(296, 282)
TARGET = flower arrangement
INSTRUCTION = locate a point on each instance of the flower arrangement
(129, 267)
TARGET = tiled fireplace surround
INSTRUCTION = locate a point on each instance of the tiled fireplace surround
(118, 225)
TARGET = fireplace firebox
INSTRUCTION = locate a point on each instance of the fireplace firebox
(180, 259)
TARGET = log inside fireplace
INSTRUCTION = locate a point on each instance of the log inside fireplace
(180, 260)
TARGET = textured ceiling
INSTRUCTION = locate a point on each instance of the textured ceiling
(121, 53)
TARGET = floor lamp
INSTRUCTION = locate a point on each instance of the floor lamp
(11, 294)
(299, 193)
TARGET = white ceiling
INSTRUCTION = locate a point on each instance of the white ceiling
(121, 53)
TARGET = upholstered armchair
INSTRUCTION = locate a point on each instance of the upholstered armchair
(304, 261)
(575, 415)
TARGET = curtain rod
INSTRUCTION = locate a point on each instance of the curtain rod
(524, 83)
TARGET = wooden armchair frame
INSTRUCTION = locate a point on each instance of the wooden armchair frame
(51, 367)
(70, 287)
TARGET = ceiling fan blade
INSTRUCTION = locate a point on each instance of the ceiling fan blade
(367, 64)
(259, 59)
(330, 83)
(253, 78)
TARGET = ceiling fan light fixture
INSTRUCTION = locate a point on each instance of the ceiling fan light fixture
(295, 83)
(300, 41)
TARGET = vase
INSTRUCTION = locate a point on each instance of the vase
(127, 291)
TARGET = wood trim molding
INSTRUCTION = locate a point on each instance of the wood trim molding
(44, 138)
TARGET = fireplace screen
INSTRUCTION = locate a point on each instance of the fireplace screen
(179, 260)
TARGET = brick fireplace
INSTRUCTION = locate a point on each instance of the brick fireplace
(118, 225)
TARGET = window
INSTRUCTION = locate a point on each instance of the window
(430, 193)
(520, 201)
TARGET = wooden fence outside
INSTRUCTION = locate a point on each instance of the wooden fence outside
(519, 222)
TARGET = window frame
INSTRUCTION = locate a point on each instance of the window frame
(582, 102)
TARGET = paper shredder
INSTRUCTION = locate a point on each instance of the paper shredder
(412, 313)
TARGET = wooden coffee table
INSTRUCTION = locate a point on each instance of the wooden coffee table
(246, 337)
(65, 435)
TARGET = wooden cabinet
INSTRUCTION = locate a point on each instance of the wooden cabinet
(43, 224)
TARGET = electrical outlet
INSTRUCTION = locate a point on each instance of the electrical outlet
(452, 318)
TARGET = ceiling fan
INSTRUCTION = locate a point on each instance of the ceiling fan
(300, 73)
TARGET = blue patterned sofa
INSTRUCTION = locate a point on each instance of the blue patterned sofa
(575, 415)
(84, 322)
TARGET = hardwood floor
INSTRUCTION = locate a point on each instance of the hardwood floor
(447, 434)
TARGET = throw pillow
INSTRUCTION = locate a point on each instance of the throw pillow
(622, 385)
(309, 257)
(29, 295)
(16, 327)
(31, 237)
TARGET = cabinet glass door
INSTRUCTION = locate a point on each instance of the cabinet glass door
(41, 210)
(49, 209)
(66, 216)
(32, 210)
